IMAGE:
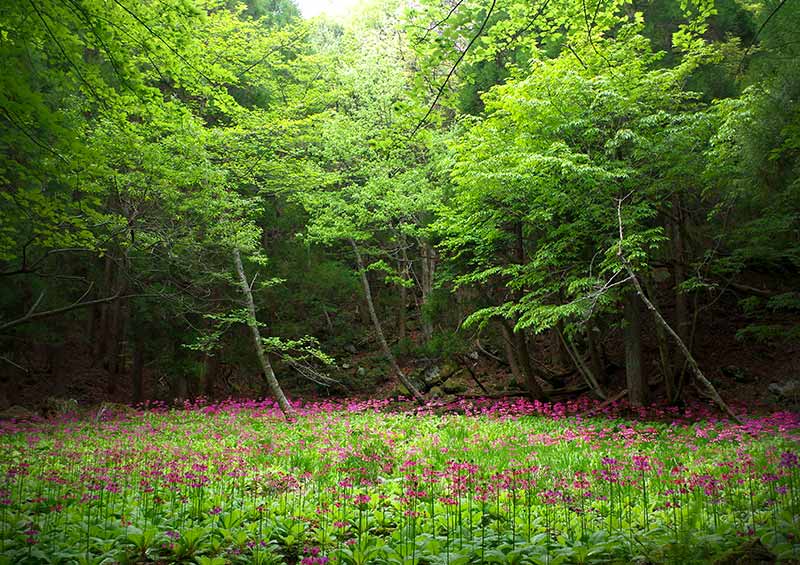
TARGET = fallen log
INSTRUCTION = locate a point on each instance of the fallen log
(565, 391)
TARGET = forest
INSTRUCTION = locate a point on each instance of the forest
(422, 282)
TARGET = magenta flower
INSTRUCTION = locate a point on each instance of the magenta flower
(641, 463)
(788, 460)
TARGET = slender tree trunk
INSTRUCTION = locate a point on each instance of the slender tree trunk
(137, 371)
(328, 321)
(210, 370)
(428, 274)
(508, 345)
(679, 271)
(401, 315)
(637, 385)
(585, 371)
(562, 353)
(682, 323)
(404, 274)
(102, 333)
(598, 367)
(682, 373)
(117, 324)
(531, 382)
(520, 340)
(379, 330)
(555, 348)
(266, 366)
(663, 350)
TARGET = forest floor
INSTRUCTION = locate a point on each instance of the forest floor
(357, 482)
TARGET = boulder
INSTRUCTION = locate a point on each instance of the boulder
(432, 373)
(454, 388)
(737, 374)
(786, 392)
(449, 370)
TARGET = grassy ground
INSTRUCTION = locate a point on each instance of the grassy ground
(366, 482)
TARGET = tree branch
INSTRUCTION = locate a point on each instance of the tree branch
(440, 22)
(453, 70)
(758, 32)
(32, 315)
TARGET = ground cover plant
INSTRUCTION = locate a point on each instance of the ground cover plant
(368, 482)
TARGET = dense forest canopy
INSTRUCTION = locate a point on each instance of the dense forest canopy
(209, 197)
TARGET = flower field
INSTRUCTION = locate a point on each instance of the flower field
(368, 482)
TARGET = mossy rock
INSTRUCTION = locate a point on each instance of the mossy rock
(399, 390)
(454, 388)
(737, 374)
(448, 370)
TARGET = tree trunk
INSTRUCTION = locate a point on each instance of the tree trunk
(508, 345)
(531, 382)
(102, 333)
(252, 322)
(117, 324)
(595, 359)
(520, 340)
(379, 330)
(401, 314)
(561, 355)
(404, 275)
(428, 274)
(663, 350)
(210, 370)
(137, 371)
(637, 386)
(585, 371)
(679, 271)
(682, 324)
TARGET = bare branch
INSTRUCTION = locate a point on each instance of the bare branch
(758, 32)
(453, 70)
(18, 366)
(162, 40)
(440, 22)
(29, 269)
(32, 315)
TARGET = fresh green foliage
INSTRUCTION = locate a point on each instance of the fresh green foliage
(483, 164)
